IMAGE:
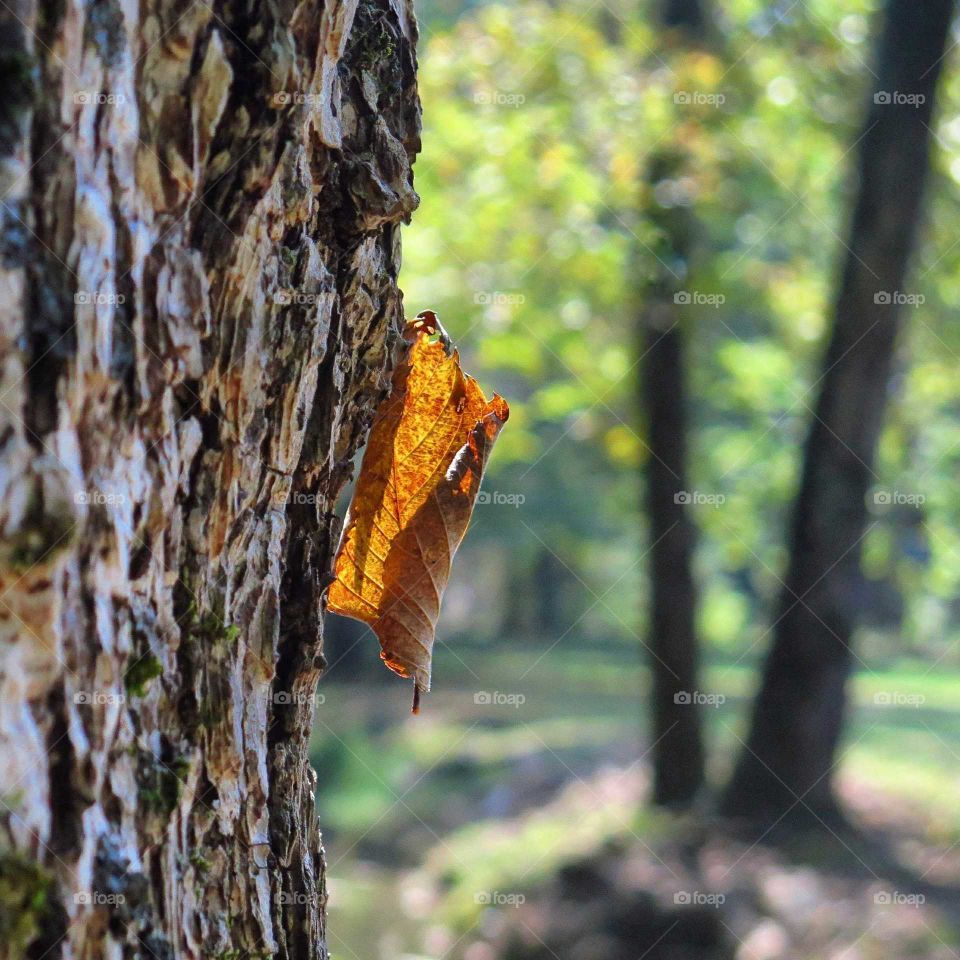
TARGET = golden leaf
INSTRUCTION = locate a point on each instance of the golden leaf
(420, 476)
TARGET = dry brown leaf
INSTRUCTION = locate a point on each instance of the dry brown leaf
(418, 482)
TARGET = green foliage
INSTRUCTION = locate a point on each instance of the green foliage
(446, 760)
(561, 160)
(560, 147)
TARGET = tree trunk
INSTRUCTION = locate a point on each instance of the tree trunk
(199, 301)
(785, 770)
(678, 754)
(688, 16)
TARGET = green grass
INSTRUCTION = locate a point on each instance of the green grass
(579, 704)
(516, 856)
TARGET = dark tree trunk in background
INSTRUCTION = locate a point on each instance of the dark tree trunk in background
(689, 16)
(197, 304)
(346, 648)
(785, 770)
(678, 754)
(553, 584)
(539, 592)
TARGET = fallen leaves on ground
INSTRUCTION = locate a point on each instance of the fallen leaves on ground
(420, 476)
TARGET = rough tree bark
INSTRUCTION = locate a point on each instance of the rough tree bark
(198, 302)
(785, 770)
(678, 752)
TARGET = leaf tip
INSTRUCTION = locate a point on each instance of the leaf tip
(500, 407)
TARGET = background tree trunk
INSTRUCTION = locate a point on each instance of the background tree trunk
(785, 770)
(678, 754)
(198, 290)
(676, 732)
(689, 16)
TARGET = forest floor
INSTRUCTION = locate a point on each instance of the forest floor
(518, 831)
(694, 891)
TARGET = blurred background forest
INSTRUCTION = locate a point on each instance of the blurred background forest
(636, 222)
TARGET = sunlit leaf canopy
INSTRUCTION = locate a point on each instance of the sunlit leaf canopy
(536, 243)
